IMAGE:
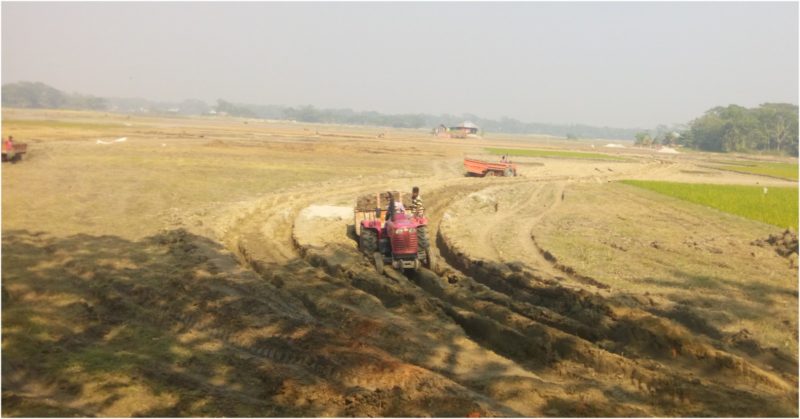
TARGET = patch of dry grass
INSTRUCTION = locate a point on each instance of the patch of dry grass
(697, 257)
(136, 187)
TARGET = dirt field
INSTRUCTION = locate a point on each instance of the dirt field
(206, 267)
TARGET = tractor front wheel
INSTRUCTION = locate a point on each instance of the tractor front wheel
(368, 242)
(378, 262)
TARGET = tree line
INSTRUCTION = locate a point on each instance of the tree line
(770, 128)
(40, 95)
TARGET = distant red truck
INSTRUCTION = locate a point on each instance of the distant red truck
(484, 168)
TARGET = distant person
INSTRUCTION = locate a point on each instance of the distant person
(8, 147)
(503, 159)
(417, 210)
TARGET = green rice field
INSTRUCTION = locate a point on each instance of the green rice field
(776, 206)
(780, 170)
(553, 153)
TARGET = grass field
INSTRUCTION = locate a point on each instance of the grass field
(781, 170)
(776, 206)
(553, 153)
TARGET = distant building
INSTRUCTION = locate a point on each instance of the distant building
(463, 130)
(466, 128)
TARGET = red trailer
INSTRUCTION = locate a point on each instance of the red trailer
(485, 168)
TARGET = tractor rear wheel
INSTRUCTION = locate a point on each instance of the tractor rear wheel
(429, 260)
(368, 242)
(422, 238)
(424, 246)
(508, 173)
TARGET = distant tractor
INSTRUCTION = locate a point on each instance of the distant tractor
(16, 155)
(483, 168)
(401, 241)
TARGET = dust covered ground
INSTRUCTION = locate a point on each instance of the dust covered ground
(207, 267)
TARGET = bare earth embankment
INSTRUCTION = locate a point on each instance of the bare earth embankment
(206, 267)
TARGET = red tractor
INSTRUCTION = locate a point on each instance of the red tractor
(401, 241)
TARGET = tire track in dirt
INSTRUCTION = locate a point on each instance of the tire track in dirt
(321, 345)
(529, 321)
(664, 342)
(300, 277)
(382, 293)
(503, 227)
(466, 323)
(512, 232)
(497, 276)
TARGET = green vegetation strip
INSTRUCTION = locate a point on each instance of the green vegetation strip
(780, 170)
(776, 206)
(553, 153)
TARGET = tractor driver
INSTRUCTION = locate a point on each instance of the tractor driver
(394, 207)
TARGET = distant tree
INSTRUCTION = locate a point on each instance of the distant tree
(76, 101)
(304, 114)
(670, 138)
(193, 107)
(643, 139)
(770, 127)
(40, 95)
(234, 110)
(779, 124)
(686, 139)
(32, 95)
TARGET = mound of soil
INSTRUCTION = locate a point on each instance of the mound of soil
(327, 211)
(369, 202)
(785, 243)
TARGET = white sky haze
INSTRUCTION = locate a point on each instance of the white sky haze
(607, 64)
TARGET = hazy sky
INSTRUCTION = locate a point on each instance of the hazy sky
(615, 64)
